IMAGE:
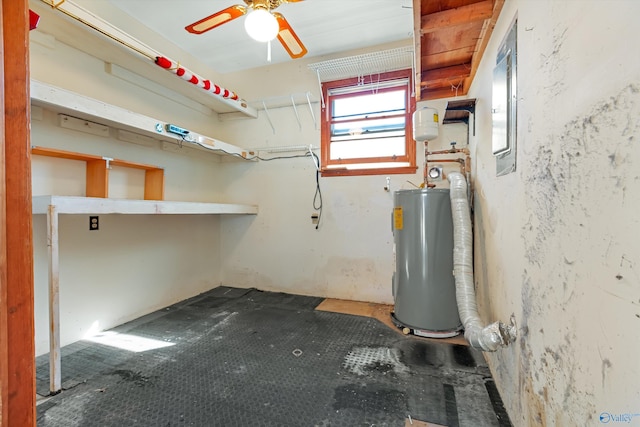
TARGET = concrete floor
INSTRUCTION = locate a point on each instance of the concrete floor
(242, 357)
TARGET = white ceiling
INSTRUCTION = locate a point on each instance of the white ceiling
(324, 26)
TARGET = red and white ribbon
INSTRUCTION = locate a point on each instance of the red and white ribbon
(193, 78)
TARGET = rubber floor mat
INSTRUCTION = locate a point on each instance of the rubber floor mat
(237, 357)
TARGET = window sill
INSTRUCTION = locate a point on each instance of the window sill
(359, 172)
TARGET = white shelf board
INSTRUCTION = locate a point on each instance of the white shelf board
(53, 206)
(95, 205)
(93, 110)
(55, 26)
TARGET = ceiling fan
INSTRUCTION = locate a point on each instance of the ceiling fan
(261, 24)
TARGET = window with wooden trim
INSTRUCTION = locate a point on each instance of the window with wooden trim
(366, 125)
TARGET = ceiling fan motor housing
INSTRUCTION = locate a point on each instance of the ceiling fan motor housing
(264, 4)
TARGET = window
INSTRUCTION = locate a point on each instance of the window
(366, 125)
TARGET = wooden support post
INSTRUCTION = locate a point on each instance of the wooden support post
(4, 333)
(55, 377)
(154, 184)
(97, 178)
(17, 328)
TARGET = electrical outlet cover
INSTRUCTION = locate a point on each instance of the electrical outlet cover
(94, 223)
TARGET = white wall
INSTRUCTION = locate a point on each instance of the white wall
(556, 241)
(133, 264)
(350, 255)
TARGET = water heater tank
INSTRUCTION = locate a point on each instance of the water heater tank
(423, 284)
(425, 124)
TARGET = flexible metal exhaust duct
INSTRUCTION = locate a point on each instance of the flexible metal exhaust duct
(495, 335)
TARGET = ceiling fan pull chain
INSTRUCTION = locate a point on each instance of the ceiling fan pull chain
(269, 51)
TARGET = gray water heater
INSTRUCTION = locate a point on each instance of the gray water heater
(423, 282)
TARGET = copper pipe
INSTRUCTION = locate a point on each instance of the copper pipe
(465, 163)
(461, 161)
(450, 151)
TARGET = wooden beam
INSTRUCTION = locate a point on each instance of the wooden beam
(458, 16)
(4, 332)
(417, 46)
(21, 390)
(62, 154)
(154, 184)
(448, 58)
(55, 360)
(97, 179)
(485, 35)
(449, 92)
(446, 75)
(134, 165)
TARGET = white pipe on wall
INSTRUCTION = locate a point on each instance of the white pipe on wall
(485, 338)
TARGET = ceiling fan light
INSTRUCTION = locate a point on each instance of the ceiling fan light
(261, 25)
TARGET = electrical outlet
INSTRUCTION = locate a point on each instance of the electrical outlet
(94, 223)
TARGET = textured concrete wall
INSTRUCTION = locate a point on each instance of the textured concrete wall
(556, 241)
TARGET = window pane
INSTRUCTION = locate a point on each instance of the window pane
(365, 127)
(368, 104)
(363, 148)
(368, 136)
(378, 165)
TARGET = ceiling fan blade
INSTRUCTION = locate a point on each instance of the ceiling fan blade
(289, 38)
(217, 19)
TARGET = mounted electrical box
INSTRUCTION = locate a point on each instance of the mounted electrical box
(500, 139)
(505, 104)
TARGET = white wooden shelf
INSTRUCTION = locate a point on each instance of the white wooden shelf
(53, 206)
(73, 25)
(97, 205)
(95, 111)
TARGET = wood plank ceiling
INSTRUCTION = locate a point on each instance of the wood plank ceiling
(451, 36)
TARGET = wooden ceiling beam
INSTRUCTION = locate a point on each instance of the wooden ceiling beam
(483, 41)
(451, 74)
(458, 16)
(449, 92)
(417, 47)
(446, 59)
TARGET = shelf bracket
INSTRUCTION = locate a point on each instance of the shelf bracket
(313, 116)
(266, 111)
(108, 160)
(295, 109)
(320, 86)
